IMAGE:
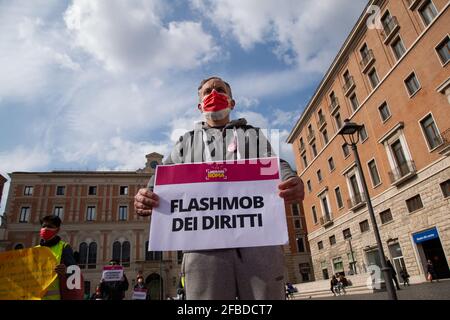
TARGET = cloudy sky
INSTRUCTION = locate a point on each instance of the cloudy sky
(97, 84)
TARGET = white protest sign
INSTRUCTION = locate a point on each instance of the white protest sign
(218, 205)
(139, 294)
(112, 273)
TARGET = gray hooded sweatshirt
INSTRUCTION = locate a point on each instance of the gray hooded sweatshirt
(205, 144)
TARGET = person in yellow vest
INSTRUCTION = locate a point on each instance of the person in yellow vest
(50, 226)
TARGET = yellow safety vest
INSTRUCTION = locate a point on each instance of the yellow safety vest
(53, 292)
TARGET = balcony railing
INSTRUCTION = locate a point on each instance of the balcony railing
(321, 122)
(402, 172)
(357, 201)
(349, 85)
(390, 27)
(334, 104)
(302, 148)
(311, 136)
(367, 60)
(326, 220)
(444, 148)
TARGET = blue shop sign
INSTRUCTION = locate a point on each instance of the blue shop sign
(425, 236)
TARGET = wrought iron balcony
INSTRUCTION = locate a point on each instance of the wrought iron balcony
(302, 147)
(326, 220)
(402, 172)
(311, 136)
(357, 201)
(349, 85)
(334, 105)
(321, 122)
(367, 60)
(444, 147)
(390, 27)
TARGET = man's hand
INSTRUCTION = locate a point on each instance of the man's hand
(61, 269)
(292, 190)
(145, 201)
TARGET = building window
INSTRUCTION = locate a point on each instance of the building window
(445, 187)
(297, 224)
(90, 214)
(320, 245)
(295, 209)
(339, 201)
(123, 213)
(324, 270)
(24, 214)
(354, 101)
(386, 216)
(59, 212)
(374, 173)
(305, 161)
(121, 252)
(325, 136)
(92, 190)
(154, 255)
(308, 183)
(398, 48)
(28, 191)
(319, 175)
(337, 118)
(314, 214)
(88, 255)
(60, 190)
(364, 226)
(414, 203)
(345, 150)
(412, 84)
(179, 256)
(363, 133)
(325, 207)
(314, 150)
(123, 190)
(347, 234)
(431, 132)
(332, 240)
(331, 164)
(373, 77)
(385, 113)
(428, 12)
(338, 265)
(300, 244)
(443, 50)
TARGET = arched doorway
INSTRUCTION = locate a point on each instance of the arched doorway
(155, 286)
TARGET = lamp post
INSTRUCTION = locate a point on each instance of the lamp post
(350, 133)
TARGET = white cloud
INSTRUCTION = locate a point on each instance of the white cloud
(284, 118)
(130, 36)
(299, 28)
(24, 159)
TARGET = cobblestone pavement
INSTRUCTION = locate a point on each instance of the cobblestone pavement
(424, 291)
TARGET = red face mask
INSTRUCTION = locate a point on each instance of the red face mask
(215, 101)
(48, 234)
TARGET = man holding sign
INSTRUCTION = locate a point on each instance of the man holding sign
(225, 193)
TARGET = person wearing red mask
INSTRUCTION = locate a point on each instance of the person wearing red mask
(244, 273)
(50, 226)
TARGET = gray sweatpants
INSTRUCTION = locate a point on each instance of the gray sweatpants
(229, 274)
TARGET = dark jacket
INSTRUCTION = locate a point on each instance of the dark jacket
(67, 257)
(114, 290)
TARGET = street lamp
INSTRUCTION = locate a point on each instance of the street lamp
(350, 133)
